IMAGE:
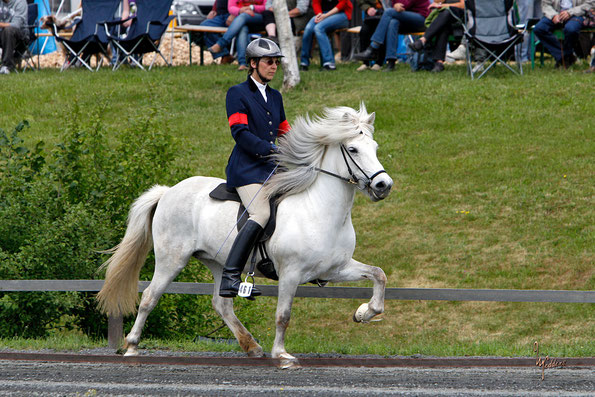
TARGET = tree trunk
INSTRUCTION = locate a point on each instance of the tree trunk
(291, 73)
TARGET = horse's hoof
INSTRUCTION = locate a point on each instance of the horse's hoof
(360, 314)
(256, 352)
(287, 361)
(131, 352)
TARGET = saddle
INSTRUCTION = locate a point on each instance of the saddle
(224, 193)
(265, 266)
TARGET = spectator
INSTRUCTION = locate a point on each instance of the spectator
(440, 28)
(300, 12)
(562, 14)
(219, 16)
(405, 15)
(13, 31)
(247, 14)
(330, 15)
(372, 10)
(528, 9)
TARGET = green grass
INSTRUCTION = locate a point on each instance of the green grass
(494, 188)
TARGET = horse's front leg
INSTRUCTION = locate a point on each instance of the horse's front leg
(354, 271)
(287, 290)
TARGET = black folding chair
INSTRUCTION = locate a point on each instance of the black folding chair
(89, 37)
(491, 27)
(145, 32)
(22, 51)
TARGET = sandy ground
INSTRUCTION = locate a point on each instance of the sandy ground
(20, 378)
(179, 55)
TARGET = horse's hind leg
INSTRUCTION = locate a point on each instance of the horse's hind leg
(224, 307)
(355, 271)
(167, 267)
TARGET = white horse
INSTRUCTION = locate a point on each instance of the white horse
(324, 161)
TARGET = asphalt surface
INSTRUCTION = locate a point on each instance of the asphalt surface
(34, 378)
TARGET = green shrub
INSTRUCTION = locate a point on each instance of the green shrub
(60, 207)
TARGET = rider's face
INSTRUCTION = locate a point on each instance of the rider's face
(267, 67)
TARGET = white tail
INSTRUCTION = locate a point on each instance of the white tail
(119, 294)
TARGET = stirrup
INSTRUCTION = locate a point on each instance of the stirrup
(247, 289)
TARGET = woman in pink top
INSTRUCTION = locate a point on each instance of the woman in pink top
(248, 15)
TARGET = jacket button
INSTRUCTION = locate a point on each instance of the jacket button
(270, 123)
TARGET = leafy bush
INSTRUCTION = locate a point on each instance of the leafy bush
(59, 208)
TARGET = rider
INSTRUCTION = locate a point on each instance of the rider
(256, 117)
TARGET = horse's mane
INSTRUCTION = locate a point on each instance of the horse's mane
(302, 149)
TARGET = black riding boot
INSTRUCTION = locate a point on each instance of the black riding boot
(238, 256)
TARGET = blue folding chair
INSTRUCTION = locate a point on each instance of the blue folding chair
(89, 37)
(22, 51)
(144, 34)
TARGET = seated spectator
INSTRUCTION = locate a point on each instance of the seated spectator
(528, 10)
(330, 15)
(219, 16)
(440, 28)
(247, 14)
(562, 14)
(300, 12)
(13, 31)
(372, 10)
(404, 16)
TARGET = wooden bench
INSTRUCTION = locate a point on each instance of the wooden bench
(197, 33)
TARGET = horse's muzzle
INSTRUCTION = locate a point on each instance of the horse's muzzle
(380, 188)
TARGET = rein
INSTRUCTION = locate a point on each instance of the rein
(352, 178)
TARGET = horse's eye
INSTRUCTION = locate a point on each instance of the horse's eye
(351, 149)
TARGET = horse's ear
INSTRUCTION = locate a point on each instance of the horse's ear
(372, 118)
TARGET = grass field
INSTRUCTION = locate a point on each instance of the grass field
(494, 188)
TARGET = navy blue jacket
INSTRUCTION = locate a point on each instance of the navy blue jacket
(255, 125)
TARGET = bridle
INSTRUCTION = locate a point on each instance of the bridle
(353, 179)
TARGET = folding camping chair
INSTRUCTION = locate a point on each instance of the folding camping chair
(144, 35)
(491, 26)
(22, 51)
(89, 37)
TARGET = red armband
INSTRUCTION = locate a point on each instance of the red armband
(284, 127)
(238, 118)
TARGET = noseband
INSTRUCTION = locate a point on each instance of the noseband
(352, 177)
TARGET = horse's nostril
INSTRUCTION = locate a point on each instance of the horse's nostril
(380, 186)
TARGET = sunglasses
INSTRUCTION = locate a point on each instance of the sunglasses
(271, 61)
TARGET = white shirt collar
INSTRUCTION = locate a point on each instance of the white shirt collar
(261, 87)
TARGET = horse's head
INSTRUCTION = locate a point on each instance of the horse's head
(359, 153)
(342, 139)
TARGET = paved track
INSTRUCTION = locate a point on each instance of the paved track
(42, 378)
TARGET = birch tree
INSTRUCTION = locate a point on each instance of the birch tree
(291, 73)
